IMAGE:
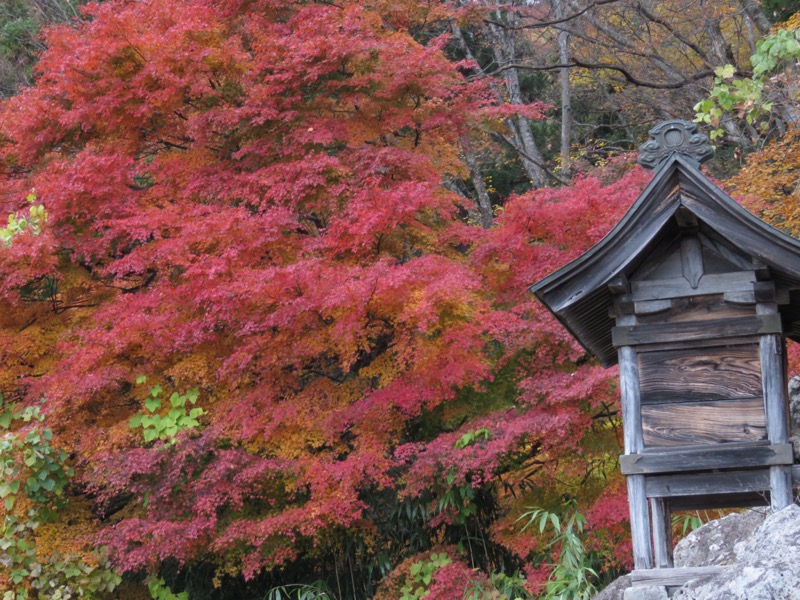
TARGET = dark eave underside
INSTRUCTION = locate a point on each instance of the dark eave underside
(578, 294)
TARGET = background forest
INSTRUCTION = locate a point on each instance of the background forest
(264, 325)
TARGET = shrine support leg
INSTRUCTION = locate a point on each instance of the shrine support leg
(662, 532)
(640, 523)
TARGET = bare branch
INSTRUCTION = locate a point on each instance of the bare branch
(674, 85)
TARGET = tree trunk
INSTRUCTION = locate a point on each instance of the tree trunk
(483, 201)
(566, 97)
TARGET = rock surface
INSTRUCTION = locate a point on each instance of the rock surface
(615, 590)
(713, 543)
(767, 565)
(761, 550)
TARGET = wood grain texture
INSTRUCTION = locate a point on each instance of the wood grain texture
(705, 484)
(692, 260)
(630, 400)
(697, 308)
(716, 328)
(711, 458)
(678, 287)
(780, 487)
(714, 422)
(662, 532)
(774, 387)
(709, 343)
(715, 373)
(640, 523)
(673, 577)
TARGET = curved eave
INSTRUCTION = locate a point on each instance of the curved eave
(577, 294)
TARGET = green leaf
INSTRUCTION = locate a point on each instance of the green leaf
(725, 72)
(136, 421)
(156, 390)
(141, 379)
(152, 404)
(6, 418)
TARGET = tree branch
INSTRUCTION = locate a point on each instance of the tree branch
(622, 70)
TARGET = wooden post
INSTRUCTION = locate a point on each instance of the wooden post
(775, 403)
(634, 443)
(662, 532)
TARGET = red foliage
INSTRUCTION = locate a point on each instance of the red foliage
(250, 194)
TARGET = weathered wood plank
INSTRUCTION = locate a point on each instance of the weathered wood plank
(619, 285)
(703, 484)
(764, 291)
(650, 307)
(640, 523)
(715, 373)
(678, 287)
(697, 308)
(692, 260)
(744, 263)
(629, 394)
(709, 343)
(672, 577)
(663, 262)
(713, 457)
(662, 531)
(740, 297)
(710, 422)
(776, 403)
(745, 445)
(780, 487)
(634, 335)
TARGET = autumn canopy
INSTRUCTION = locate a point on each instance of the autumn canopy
(255, 332)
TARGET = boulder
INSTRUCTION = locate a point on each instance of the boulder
(713, 543)
(767, 565)
(761, 551)
(615, 590)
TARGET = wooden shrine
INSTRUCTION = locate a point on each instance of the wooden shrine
(693, 296)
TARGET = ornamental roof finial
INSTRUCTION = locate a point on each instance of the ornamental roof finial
(675, 136)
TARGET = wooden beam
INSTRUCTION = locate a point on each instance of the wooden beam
(662, 531)
(651, 307)
(632, 432)
(711, 342)
(655, 333)
(773, 380)
(706, 484)
(640, 523)
(680, 287)
(710, 458)
(692, 260)
(673, 577)
(619, 285)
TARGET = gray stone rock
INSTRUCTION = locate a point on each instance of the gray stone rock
(646, 592)
(794, 404)
(767, 565)
(615, 590)
(713, 543)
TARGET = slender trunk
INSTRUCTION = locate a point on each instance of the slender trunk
(566, 96)
(483, 202)
(755, 15)
(504, 52)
